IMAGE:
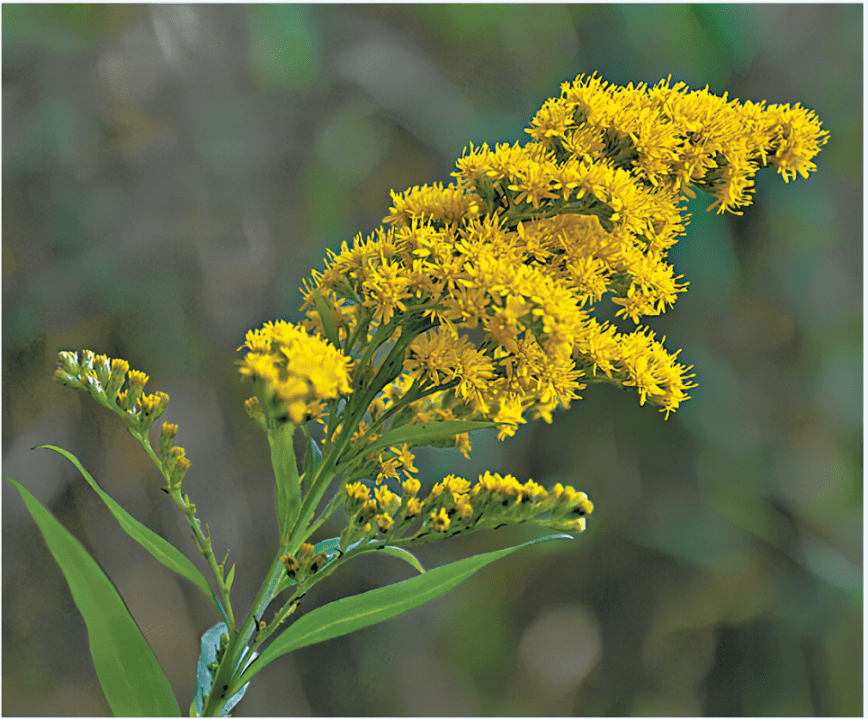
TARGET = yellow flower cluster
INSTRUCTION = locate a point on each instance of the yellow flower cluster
(297, 369)
(497, 275)
(478, 303)
(454, 506)
(670, 137)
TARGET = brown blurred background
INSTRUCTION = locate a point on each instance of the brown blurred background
(172, 172)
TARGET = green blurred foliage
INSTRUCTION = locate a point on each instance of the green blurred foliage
(172, 172)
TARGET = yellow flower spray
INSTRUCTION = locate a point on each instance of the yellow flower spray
(473, 306)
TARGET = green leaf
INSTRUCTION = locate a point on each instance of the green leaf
(312, 457)
(363, 610)
(131, 678)
(332, 550)
(164, 552)
(287, 484)
(408, 557)
(210, 644)
(425, 432)
(329, 546)
(328, 322)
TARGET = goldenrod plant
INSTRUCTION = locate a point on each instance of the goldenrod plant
(472, 307)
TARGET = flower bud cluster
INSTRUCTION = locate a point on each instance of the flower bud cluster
(454, 505)
(103, 379)
(174, 458)
(306, 561)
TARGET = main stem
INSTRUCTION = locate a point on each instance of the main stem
(232, 658)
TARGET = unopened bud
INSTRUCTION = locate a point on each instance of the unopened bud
(102, 369)
(151, 407)
(254, 411)
(62, 376)
(177, 465)
(87, 358)
(137, 381)
(291, 564)
(69, 362)
(120, 367)
(167, 439)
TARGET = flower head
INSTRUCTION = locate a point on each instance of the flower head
(298, 369)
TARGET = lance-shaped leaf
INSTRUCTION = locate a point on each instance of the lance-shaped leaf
(132, 680)
(330, 547)
(312, 458)
(328, 322)
(424, 433)
(287, 484)
(363, 610)
(408, 557)
(164, 552)
(332, 551)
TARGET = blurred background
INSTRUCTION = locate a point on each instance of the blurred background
(172, 172)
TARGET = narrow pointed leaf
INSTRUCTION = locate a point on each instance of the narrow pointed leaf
(287, 485)
(363, 610)
(408, 557)
(312, 459)
(375, 546)
(132, 680)
(210, 643)
(164, 552)
(328, 322)
(330, 547)
(425, 432)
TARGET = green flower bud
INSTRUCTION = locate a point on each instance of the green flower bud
(177, 465)
(69, 362)
(255, 412)
(62, 376)
(137, 381)
(102, 368)
(151, 406)
(115, 381)
(87, 358)
(167, 439)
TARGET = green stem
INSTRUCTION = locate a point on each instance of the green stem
(226, 672)
(389, 368)
(280, 616)
(203, 542)
(318, 486)
(289, 607)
